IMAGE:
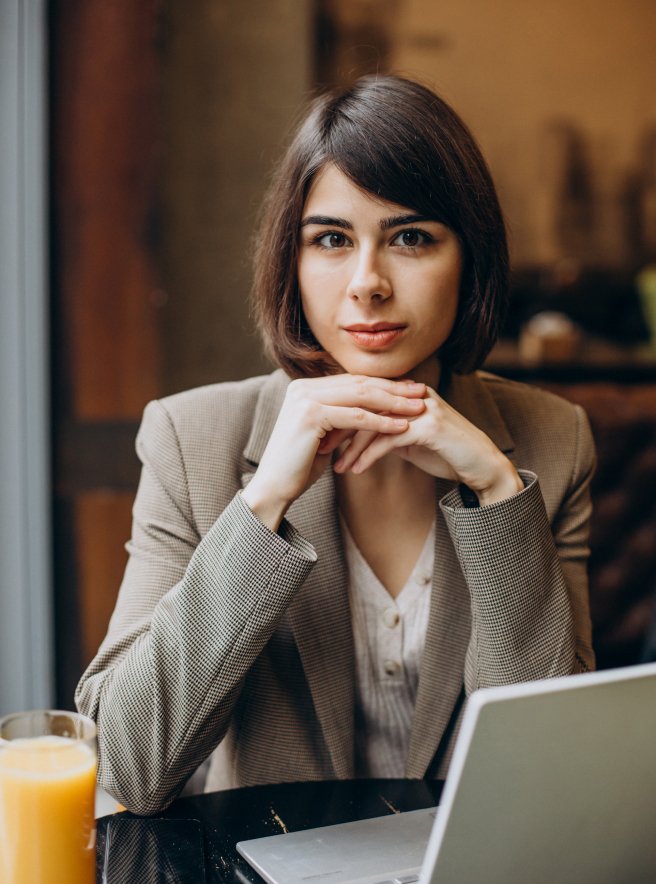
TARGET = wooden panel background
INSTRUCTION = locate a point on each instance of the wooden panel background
(105, 75)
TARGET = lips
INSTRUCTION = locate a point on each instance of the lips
(374, 335)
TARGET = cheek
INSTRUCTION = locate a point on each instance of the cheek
(312, 304)
(315, 273)
(436, 304)
(439, 292)
(450, 286)
(305, 285)
(449, 304)
(319, 287)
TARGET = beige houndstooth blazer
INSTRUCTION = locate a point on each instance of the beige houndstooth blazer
(231, 641)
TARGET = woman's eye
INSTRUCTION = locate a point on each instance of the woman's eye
(410, 239)
(332, 240)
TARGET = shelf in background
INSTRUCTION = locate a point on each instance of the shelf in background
(595, 360)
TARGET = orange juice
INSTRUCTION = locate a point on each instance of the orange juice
(47, 824)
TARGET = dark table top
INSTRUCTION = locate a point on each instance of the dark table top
(169, 846)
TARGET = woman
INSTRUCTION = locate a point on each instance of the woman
(322, 569)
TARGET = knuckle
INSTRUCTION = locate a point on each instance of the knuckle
(296, 388)
(361, 387)
(312, 410)
(359, 415)
(308, 412)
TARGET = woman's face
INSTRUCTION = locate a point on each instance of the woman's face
(379, 283)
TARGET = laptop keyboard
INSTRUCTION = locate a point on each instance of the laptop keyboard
(406, 879)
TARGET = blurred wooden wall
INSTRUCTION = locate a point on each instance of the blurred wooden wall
(106, 131)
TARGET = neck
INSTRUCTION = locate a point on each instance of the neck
(386, 473)
(389, 479)
(428, 372)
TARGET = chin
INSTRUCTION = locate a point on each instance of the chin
(386, 366)
(373, 367)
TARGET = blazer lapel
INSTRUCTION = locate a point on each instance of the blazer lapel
(320, 614)
(449, 625)
(269, 403)
(321, 620)
(443, 661)
(469, 395)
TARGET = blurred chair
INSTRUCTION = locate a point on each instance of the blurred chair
(623, 529)
(649, 655)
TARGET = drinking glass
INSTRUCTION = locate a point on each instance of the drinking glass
(47, 798)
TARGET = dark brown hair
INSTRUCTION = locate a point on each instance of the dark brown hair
(398, 140)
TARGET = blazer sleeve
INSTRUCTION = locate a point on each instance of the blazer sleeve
(192, 616)
(527, 577)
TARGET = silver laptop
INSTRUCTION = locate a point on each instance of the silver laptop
(551, 782)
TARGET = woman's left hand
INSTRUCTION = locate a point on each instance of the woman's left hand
(443, 443)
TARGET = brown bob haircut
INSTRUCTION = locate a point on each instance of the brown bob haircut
(399, 141)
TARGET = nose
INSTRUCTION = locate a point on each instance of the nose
(369, 282)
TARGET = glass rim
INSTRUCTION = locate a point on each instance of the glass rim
(89, 728)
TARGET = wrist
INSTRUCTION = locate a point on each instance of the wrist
(265, 503)
(506, 483)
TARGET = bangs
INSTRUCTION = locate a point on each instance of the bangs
(378, 145)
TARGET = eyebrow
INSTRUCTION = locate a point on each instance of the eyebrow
(384, 223)
(326, 221)
(400, 220)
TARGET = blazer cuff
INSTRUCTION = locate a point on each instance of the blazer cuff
(498, 534)
(521, 614)
(463, 496)
(260, 532)
(241, 561)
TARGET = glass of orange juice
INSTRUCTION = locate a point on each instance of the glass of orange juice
(47, 798)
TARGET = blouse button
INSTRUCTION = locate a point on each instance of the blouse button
(423, 577)
(391, 618)
(391, 667)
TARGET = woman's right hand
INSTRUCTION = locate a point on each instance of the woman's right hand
(317, 415)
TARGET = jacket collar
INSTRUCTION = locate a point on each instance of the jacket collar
(470, 395)
(269, 403)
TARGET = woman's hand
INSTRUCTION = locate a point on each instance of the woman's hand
(441, 442)
(317, 415)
